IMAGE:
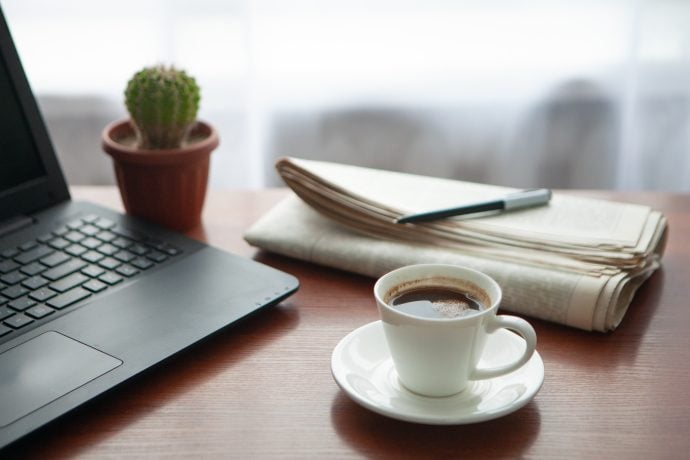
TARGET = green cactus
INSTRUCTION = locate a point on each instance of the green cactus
(162, 103)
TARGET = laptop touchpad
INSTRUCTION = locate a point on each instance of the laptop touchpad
(44, 368)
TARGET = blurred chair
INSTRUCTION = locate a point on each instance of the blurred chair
(566, 139)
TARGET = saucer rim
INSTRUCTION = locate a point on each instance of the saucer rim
(429, 418)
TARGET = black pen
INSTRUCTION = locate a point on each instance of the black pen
(517, 200)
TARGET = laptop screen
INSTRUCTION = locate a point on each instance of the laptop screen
(30, 175)
(19, 160)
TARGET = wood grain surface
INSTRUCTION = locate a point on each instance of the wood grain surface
(263, 387)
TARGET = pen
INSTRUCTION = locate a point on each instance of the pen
(517, 200)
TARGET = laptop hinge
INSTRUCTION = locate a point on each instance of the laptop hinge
(15, 223)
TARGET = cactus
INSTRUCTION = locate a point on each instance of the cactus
(162, 103)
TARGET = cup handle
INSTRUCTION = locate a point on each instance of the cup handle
(525, 330)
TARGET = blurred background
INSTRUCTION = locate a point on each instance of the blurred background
(586, 94)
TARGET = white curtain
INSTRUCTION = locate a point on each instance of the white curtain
(587, 94)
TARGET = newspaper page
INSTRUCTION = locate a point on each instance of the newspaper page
(618, 235)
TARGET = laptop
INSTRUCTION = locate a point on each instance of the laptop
(89, 297)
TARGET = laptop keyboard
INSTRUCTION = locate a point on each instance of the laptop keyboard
(41, 278)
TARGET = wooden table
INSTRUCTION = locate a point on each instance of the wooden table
(263, 388)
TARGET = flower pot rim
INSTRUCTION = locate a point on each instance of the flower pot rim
(191, 152)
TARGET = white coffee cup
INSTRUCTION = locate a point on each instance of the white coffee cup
(438, 356)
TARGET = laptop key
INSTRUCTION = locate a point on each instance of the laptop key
(139, 249)
(93, 271)
(21, 303)
(89, 230)
(14, 291)
(142, 263)
(54, 259)
(124, 256)
(107, 249)
(126, 270)
(95, 286)
(69, 282)
(110, 278)
(65, 269)
(46, 238)
(74, 236)
(68, 298)
(12, 277)
(164, 247)
(28, 245)
(34, 268)
(75, 224)
(61, 230)
(92, 256)
(6, 312)
(91, 243)
(121, 242)
(34, 254)
(39, 311)
(9, 253)
(34, 282)
(90, 218)
(59, 243)
(75, 250)
(43, 294)
(157, 256)
(18, 321)
(106, 236)
(7, 266)
(104, 223)
(109, 263)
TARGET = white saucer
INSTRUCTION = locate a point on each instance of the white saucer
(362, 367)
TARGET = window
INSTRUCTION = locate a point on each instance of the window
(592, 94)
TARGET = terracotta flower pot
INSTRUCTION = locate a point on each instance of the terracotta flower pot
(165, 186)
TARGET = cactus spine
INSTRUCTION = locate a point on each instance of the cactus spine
(162, 103)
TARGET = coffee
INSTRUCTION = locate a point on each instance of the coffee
(436, 303)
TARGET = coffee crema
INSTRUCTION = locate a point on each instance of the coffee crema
(437, 303)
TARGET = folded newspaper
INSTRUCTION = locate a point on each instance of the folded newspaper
(576, 261)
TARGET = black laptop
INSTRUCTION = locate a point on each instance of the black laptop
(90, 297)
